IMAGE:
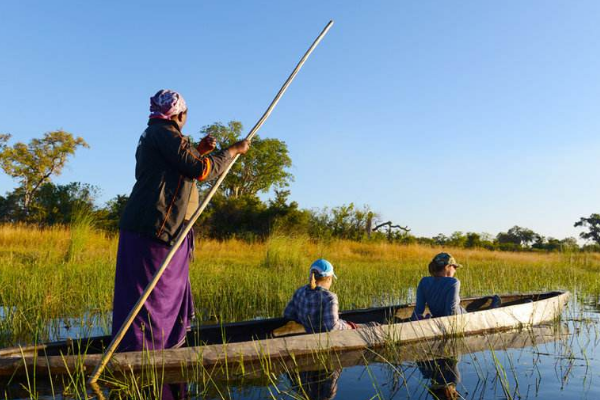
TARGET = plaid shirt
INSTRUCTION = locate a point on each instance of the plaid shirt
(316, 310)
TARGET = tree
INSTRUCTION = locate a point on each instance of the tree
(440, 239)
(349, 222)
(286, 217)
(569, 243)
(262, 168)
(33, 164)
(516, 237)
(240, 217)
(592, 223)
(343, 222)
(9, 207)
(391, 233)
(473, 240)
(59, 204)
(541, 242)
(524, 235)
(110, 215)
(457, 239)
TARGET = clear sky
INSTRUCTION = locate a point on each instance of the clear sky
(443, 116)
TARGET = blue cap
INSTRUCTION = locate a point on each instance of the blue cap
(322, 268)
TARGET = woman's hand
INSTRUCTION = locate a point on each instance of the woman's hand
(206, 145)
(240, 147)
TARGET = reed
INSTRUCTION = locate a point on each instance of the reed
(61, 278)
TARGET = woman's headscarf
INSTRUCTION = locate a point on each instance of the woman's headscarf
(166, 103)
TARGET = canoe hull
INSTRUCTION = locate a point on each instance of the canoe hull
(546, 309)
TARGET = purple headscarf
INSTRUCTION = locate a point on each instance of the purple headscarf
(166, 103)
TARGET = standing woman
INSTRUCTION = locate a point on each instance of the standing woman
(162, 200)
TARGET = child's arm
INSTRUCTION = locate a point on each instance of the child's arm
(331, 316)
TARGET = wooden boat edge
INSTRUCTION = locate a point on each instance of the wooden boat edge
(515, 316)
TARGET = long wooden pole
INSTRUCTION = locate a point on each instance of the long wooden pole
(182, 235)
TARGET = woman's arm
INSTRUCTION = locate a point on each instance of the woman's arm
(179, 152)
(452, 306)
(420, 306)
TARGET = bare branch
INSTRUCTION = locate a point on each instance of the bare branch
(390, 226)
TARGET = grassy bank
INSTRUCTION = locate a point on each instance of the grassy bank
(51, 274)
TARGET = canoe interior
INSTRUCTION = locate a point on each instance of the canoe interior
(262, 329)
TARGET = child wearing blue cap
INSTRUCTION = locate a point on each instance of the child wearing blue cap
(314, 306)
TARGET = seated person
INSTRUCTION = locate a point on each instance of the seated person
(440, 291)
(314, 306)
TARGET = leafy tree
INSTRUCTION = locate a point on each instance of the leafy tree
(592, 223)
(570, 243)
(440, 239)
(33, 164)
(591, 247)
(552, 244)
(349, 222)
(473, 240)
(286, 217)
(457, 239)
(516, 237)
(507, 238)
(239, 217)
(110, 215)
(525, 236)
(486, 237)
(319, 225)
(541, 242)
(404, 237)
(10, 210)
(262, 168)
(425, 241)
(58, 204)
(343, 222)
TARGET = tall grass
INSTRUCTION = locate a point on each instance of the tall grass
(50, 275)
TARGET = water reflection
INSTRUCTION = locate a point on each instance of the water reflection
(318, 385)
(443, 376)
(518, 364)
(174, 391)
(423, 370)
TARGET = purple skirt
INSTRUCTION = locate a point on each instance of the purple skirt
(166, 316)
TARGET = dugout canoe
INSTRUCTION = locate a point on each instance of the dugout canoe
(255, 341)
(419, 351)
(456, 348)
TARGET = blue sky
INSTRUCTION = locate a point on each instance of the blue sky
(443, 116)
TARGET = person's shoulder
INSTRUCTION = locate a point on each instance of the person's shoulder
(451, 281)
(426, 281)
(301, 290)
(161, 128)
(330, 295)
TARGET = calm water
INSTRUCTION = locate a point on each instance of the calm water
(542, 363)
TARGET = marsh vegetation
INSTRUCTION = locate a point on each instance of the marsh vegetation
(57, 282)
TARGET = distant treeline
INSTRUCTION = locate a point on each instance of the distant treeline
(236, 210)
(249, 218)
